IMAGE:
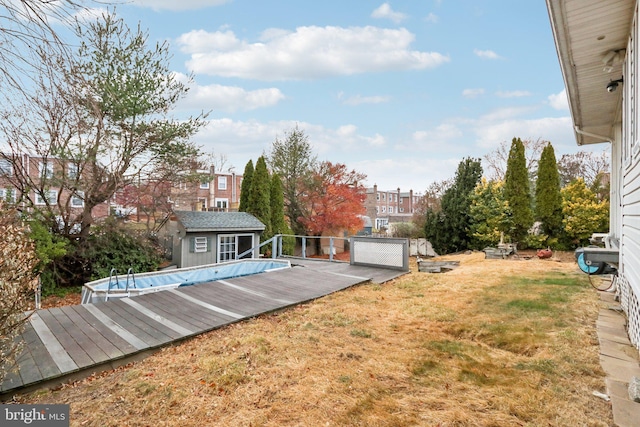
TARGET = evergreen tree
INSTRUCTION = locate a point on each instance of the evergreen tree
(517, 193)
(434, 230)
(259, 203)
(490, 214)
(293, 159)
(583, 213)
(454, 221)
(245, 187)
(548, 196)
(278, 223)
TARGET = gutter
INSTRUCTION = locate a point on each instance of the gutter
(592, 135)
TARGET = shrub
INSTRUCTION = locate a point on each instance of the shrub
(18, 283)
(113, 246)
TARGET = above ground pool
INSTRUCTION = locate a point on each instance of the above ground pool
(126, 285)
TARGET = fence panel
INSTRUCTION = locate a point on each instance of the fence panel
(380, 252)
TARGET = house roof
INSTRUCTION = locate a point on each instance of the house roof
(591, 38)
(218, 221)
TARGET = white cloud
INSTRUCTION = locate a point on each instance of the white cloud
(559, 101)
(472, 93)
(385, 12)
(506, 113)
(178, 5)
(230, 98)
(244, 140)
(431, 17)
(417, 173)
(307, 53)
(358, 99)
(557, 130)
(513, 94)
(486, 54)
(441, 136)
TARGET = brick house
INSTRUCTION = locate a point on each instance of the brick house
(387, 207)
(42, 178)
(218, 191)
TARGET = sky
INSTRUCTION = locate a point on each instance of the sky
(401, 91)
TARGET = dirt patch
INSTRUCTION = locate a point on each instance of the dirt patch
(57, 301)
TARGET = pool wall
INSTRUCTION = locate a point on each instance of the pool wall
(138, 284)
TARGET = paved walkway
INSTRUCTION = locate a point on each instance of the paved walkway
(72, 342)
(619, 359)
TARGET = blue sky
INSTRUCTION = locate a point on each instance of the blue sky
(401, 90)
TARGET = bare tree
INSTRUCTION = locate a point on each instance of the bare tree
(102, 120)
(496, 161)
(27, 30)
(430, 200)
(587, 165)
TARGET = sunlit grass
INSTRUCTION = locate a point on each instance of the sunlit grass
(489, 344)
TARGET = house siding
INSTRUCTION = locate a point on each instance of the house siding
(626, 217)
(192, 259)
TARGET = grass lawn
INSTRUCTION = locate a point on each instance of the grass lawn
(491, 343)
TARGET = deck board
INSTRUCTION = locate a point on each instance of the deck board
(110, 342)
(61, 341)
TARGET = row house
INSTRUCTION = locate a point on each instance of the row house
(34, 182)
(386, 207)
(217, 191)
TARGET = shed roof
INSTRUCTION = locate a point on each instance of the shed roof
(218, 221)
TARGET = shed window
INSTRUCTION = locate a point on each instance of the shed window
(230, 246)
(200, 244)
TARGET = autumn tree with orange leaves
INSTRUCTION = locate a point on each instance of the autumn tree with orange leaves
(333, 200)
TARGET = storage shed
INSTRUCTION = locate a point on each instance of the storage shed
(201, 238)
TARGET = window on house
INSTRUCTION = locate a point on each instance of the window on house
(204, 185)
(401, 210)
(377, 196)
(72, 170)
(77, 200)
(8, 194)
(6, 168)
(46, 170)
(384, 209)
(222, 183)
(51, 195)
(222, 203)
(384, 196)
(390, 209)
(377, 210)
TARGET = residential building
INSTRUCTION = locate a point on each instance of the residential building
(598, 46)
(387, 207)
(33, 182)
(218, 191)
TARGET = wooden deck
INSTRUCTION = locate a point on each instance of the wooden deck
(74, 341)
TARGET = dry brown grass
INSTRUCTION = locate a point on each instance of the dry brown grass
(492, 343)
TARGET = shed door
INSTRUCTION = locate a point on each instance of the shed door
(231, 245)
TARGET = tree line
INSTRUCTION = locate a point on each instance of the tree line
(533, 205)
(305, 196)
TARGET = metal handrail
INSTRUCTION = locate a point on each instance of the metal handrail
(112, 273)
(133, 279)
(277, 245)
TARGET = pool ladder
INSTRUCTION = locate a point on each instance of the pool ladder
(113, 280)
